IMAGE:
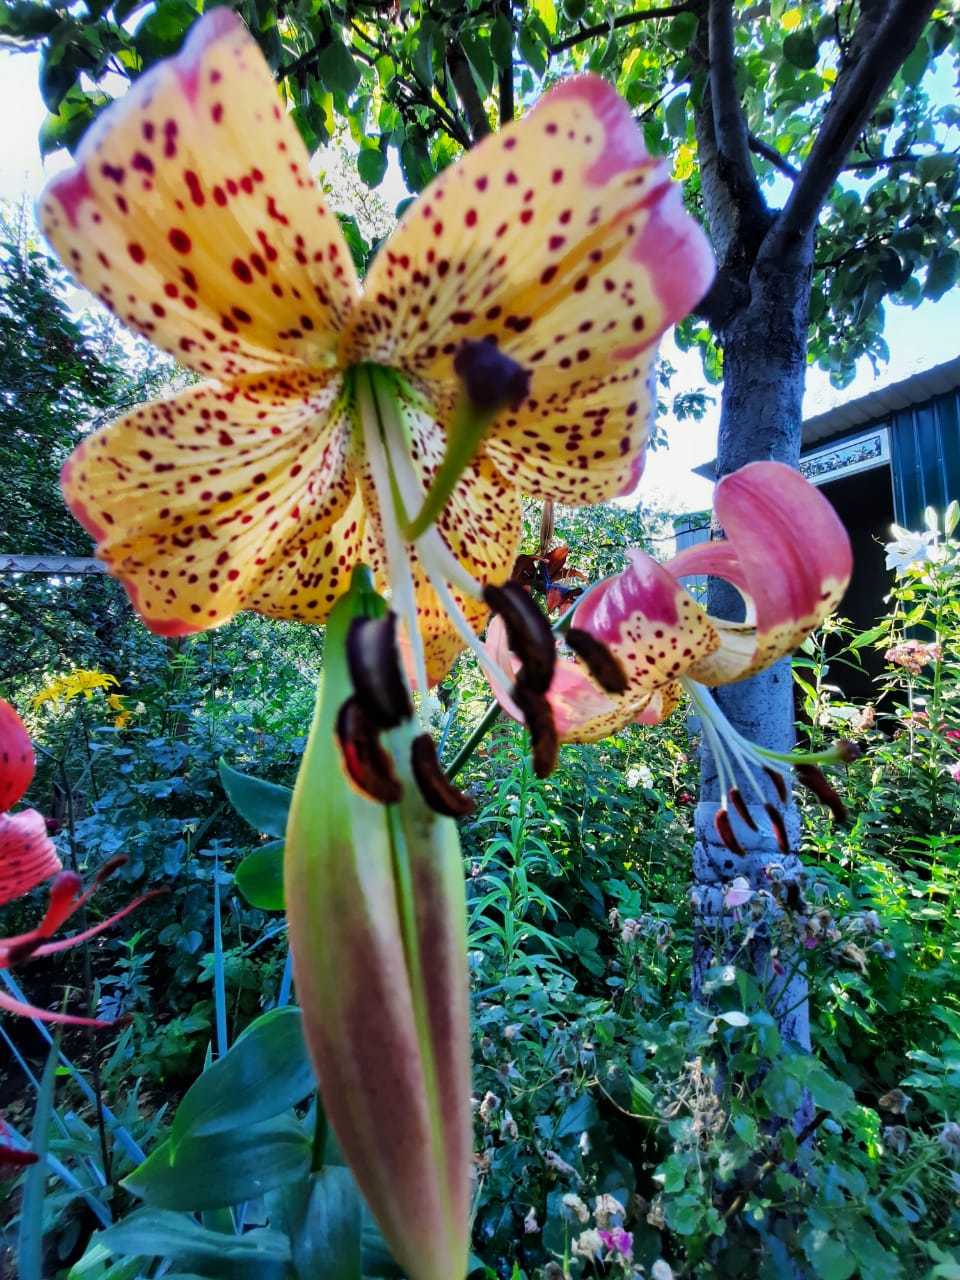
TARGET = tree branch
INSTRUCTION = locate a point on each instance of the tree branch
(467, 91)
(902, 157)
(857, 90)
(625, 20)
(730, 127)
(761, 148)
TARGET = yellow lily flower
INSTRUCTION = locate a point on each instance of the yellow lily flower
(335, 415)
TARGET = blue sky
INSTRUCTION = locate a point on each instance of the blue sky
(917, 338)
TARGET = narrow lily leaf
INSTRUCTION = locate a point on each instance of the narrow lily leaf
(30, 1240)
(223, 1168)
(259, 877)
(265, 1072)
(158, 1233)
(263, 804)
(219, 975)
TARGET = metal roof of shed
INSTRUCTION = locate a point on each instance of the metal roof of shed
(873, 407)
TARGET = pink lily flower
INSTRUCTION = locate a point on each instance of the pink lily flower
(28, 857)
(499, 346)
(643, 638)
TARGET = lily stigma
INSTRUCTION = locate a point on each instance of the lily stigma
(501, 346)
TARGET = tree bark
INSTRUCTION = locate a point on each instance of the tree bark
(760, 418)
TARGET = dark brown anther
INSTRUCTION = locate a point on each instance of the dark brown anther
(816, 781)
(779, 827)
(721, 820)
(538, 717)
(368, 766)
(738, 802)
(373, 657)
(601, 663)
(490, 379)
(435, 787)
(779, 785)
(848, 751)
(528, 634)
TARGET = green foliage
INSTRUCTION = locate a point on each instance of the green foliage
(383, 76)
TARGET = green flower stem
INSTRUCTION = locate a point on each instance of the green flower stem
(486, 722)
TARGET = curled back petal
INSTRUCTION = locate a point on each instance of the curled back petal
(24, 1010)
(561, 240)
(787, 553)
(192, 214)
(222, 498)
(27, 854)
(17, 759)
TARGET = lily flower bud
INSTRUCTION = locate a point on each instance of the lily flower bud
(377, 919)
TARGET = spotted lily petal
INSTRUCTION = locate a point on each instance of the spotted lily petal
(27, 854)
(17, 760)
(788, 554)
(192, 214)
(564, 242)
(224, 498)
(654, 630)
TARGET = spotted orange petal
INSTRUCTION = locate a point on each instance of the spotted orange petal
(27, 854)
(654, 628)
(222, 498)
(564, 242)
(17, 760)
(192, 214)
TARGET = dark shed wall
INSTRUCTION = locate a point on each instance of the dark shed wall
(925, 449)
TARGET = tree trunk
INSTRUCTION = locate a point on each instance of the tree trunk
(761, 415)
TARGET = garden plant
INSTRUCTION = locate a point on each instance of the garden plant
(408, 869)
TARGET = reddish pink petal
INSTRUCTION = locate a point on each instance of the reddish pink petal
(17, 760)
(48, 1015)
(793, 561)
(48, 948)
(581, 711)
(27, 854)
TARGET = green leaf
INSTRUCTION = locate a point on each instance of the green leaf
(263, 804)
(28, 20)
(829, 1257)
(501, 42)
(163, 30)
(223, 1168)
(371, 165)
(478, 53)
(156, 1233)
(681, 31)
(77, 112)
(800, 49)
(581, 1115)
(325, 1228)
(259, 877)
(30, 1235)
(266, 1071)
(531, 50)
(915, 63)
(941, 274)
(675, 116)
(338, 68)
